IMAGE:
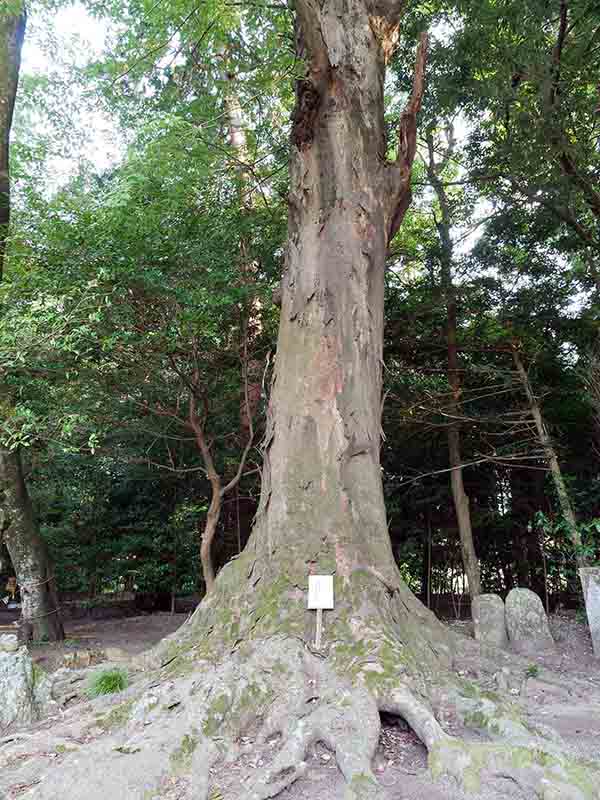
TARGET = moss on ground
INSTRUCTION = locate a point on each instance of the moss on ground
(467, 762)
(181, 757)
(117, 717)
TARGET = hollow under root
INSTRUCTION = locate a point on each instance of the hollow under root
(302, 700)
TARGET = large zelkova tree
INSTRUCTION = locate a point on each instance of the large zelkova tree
(249, 659)
(251, 645)
(40, 614)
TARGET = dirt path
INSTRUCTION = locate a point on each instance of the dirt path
(130, 635)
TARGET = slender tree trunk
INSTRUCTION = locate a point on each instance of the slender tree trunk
(551, 458)
(40, 616)
(12, 33)
(250, 322)
(218, 490)
(461, 500)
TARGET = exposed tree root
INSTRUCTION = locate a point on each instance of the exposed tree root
(320, 708)
(236, 699)
(271, 701)
(393, 657)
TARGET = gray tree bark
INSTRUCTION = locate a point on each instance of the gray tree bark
(40, 614)
(12, 33)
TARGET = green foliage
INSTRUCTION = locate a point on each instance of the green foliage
(107, 681)
(532, 671)
(129, 286)
(557, 535)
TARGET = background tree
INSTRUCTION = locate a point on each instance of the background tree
(40, 614)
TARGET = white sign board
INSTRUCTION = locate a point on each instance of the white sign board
(320, 591)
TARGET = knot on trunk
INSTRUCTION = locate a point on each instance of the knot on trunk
(308, 103)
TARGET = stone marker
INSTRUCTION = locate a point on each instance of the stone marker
(488, 619)
(590, 581)
(526, 623)
(25, 690)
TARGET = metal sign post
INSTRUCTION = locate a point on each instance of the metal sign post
(320, 597)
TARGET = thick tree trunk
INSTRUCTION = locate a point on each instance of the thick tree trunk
(461, 500)
(322, 509)
(551, 457)
(40, 616)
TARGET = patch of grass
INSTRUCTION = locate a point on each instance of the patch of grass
(532, 671)
(107, 681)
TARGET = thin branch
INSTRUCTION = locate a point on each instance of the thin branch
(486, 459)
(407, 141)
(160, 46)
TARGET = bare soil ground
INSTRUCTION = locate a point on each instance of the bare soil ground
(401, 761)
(131, 635)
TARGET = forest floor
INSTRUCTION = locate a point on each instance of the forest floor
(401, 763)
(130, 635)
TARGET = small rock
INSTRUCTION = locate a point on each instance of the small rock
(502, 679)
(325, 757)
